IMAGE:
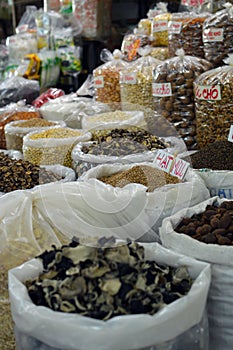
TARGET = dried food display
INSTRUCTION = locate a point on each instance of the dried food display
(131, 43)
(160, 29)
(160, 53)
(213, 104)
(213, 226)
(145, 175)
(173, 93)
(106, 281)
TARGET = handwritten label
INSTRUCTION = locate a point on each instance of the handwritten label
(160, 26)
(230, 136)
(213, 35)
(161, 90)
(171, 164)
(193, 3)
(174, 27)
(99, 82)
(22, 28)
(130, 78)
(209, 93)
(127, 45)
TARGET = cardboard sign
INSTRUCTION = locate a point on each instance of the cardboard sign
(171, 164)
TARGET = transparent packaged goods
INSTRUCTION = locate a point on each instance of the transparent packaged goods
(132, 42)
(136, 81)
(174, 96)
(107, 77)
(213, 104)
(185, 31)
(159, 31)
(160, 53)
(20, 45)
(218, 36)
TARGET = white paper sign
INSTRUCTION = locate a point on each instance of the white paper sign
(161, 90)
(99, 82)
(230, 137)
(208, 93)
(213, 35)
(171, 164)
(130, 78)
(160, 26)
(174, 27)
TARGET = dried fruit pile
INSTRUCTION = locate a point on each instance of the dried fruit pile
(214, 225)
(106, 281)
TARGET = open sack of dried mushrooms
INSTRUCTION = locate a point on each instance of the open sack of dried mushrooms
(110, 296)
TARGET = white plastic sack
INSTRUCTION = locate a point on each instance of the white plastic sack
(219, 182)
(66, 173)
(75, 332)
(12, 153)
(160, 203)
(71, 109)
(220, 298)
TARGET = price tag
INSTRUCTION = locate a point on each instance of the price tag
(208, 93)
(174, 27)
(99, 82)
(213, 35)
(160, 26)
(161, 90)
(230, 137)
(130, 78)
(171, 164)
(193, 3)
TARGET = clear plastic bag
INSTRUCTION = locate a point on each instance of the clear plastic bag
(106, 77)
(218, 36)
(185, 31)
(52, 146)
(136, 80)
(71, 109)
(27, 22)
(16, 130)
(220, 302)
(17, 88)
(20, 45)
(160, 53)
(173, 93)
(160, 27)
(124, 332)
(213, 104)
(132, 42)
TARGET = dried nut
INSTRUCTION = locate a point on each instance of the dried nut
(160, 35)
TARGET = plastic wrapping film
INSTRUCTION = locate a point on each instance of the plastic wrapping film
(218, 36)
(53, 330)
(173, 93)
(13, 112)
(83, 162)
(213, 104)
(136, 81)
(107, 77)
(159, 32)
(52, 146)
(15, 131)
(20, 45)
(185, 31)
(95, 17)
(71, 109)
(220, 301)
(16, 89)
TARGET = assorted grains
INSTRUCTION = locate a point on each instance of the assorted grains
(106, 281)
(145, 175)
(214, 225)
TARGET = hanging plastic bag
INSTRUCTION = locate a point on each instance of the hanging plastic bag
(106, 77)
(213, 106)
(173, 93)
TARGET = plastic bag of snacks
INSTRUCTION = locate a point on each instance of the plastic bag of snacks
(160, 27)
(52, 146)
(16, 130)
(194, 232)
(116, 119)
(107, 76)
(213, 6)
(213, 105)
(71, 109)
(132, 42)
(218, 36)
(173, 93)
(146, 331)
(136, 80)
(17, 88)
(14, 112)
(50, 94)
(185, 31)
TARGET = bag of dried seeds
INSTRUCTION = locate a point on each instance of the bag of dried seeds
(106, 77)
(160, 27)
(204, 232)
(136, 81)
(148, 329)
(218, 35)
(52, 146)
(213, 103)
(173, 93)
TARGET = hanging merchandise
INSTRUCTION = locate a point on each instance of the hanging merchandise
(218, 35)
(160, 27)
(214, 107)
(132, 42)
(185, 31)
(136, 81)
(106, 77)
(27, 22)
(173, 93)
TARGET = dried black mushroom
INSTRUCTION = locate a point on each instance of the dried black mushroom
(106, 281)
